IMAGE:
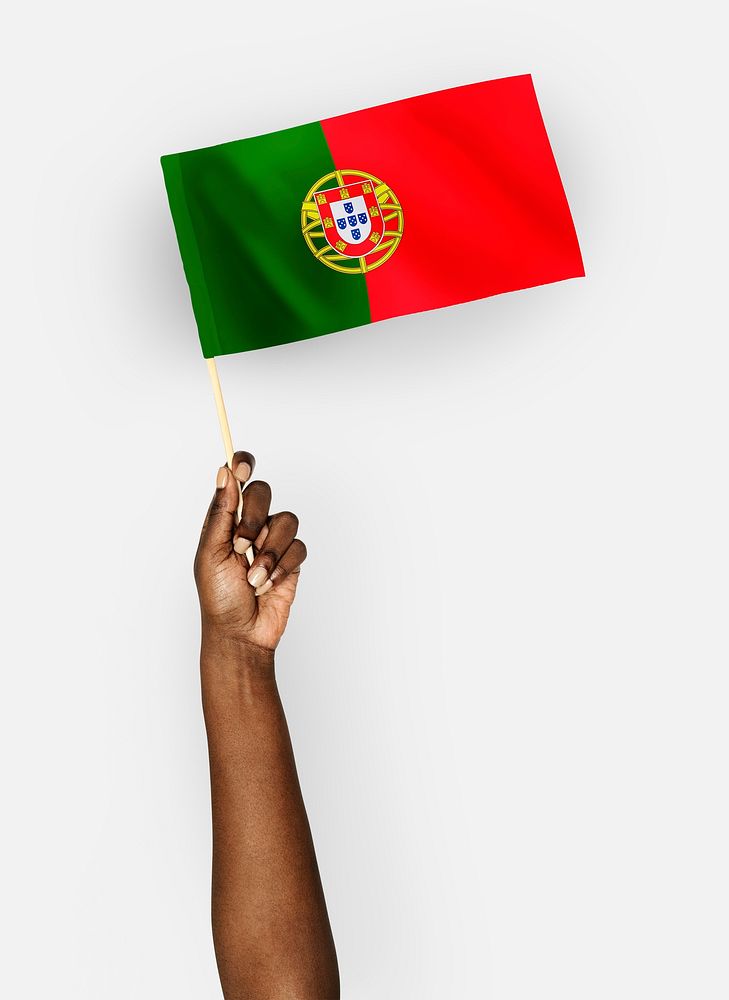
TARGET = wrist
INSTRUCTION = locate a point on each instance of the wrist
(225, 657)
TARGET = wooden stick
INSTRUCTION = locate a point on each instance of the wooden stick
(220, 407)
(225, 430)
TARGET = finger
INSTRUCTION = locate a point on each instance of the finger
(243, 464)
(261, 538)
(253, 515)
(289, 563)
(282, 530)
(221, 517)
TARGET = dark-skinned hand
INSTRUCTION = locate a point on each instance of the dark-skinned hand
(238, 601)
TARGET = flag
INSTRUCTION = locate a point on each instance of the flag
(413, 205)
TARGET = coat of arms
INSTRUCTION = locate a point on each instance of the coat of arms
(351, 221)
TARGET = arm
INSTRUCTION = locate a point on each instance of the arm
(270, 925)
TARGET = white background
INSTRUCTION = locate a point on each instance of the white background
(506, 673)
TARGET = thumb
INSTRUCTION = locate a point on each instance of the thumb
(221, 518)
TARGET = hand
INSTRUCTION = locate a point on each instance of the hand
(249, 604)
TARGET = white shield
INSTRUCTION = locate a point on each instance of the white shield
(352, 219)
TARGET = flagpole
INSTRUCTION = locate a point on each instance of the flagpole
(225, 431)
(220, 407)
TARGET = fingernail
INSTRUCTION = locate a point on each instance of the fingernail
(265, 588)
(257, 576)
(241, 544)
(222, 479)
(243, 472)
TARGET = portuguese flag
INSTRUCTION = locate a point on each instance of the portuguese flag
(413, 205)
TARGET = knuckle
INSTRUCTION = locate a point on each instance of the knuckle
(301, 550)
(288, 520)
(218, 507)
(248, 529)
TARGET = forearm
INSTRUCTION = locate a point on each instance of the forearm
(270, 924)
